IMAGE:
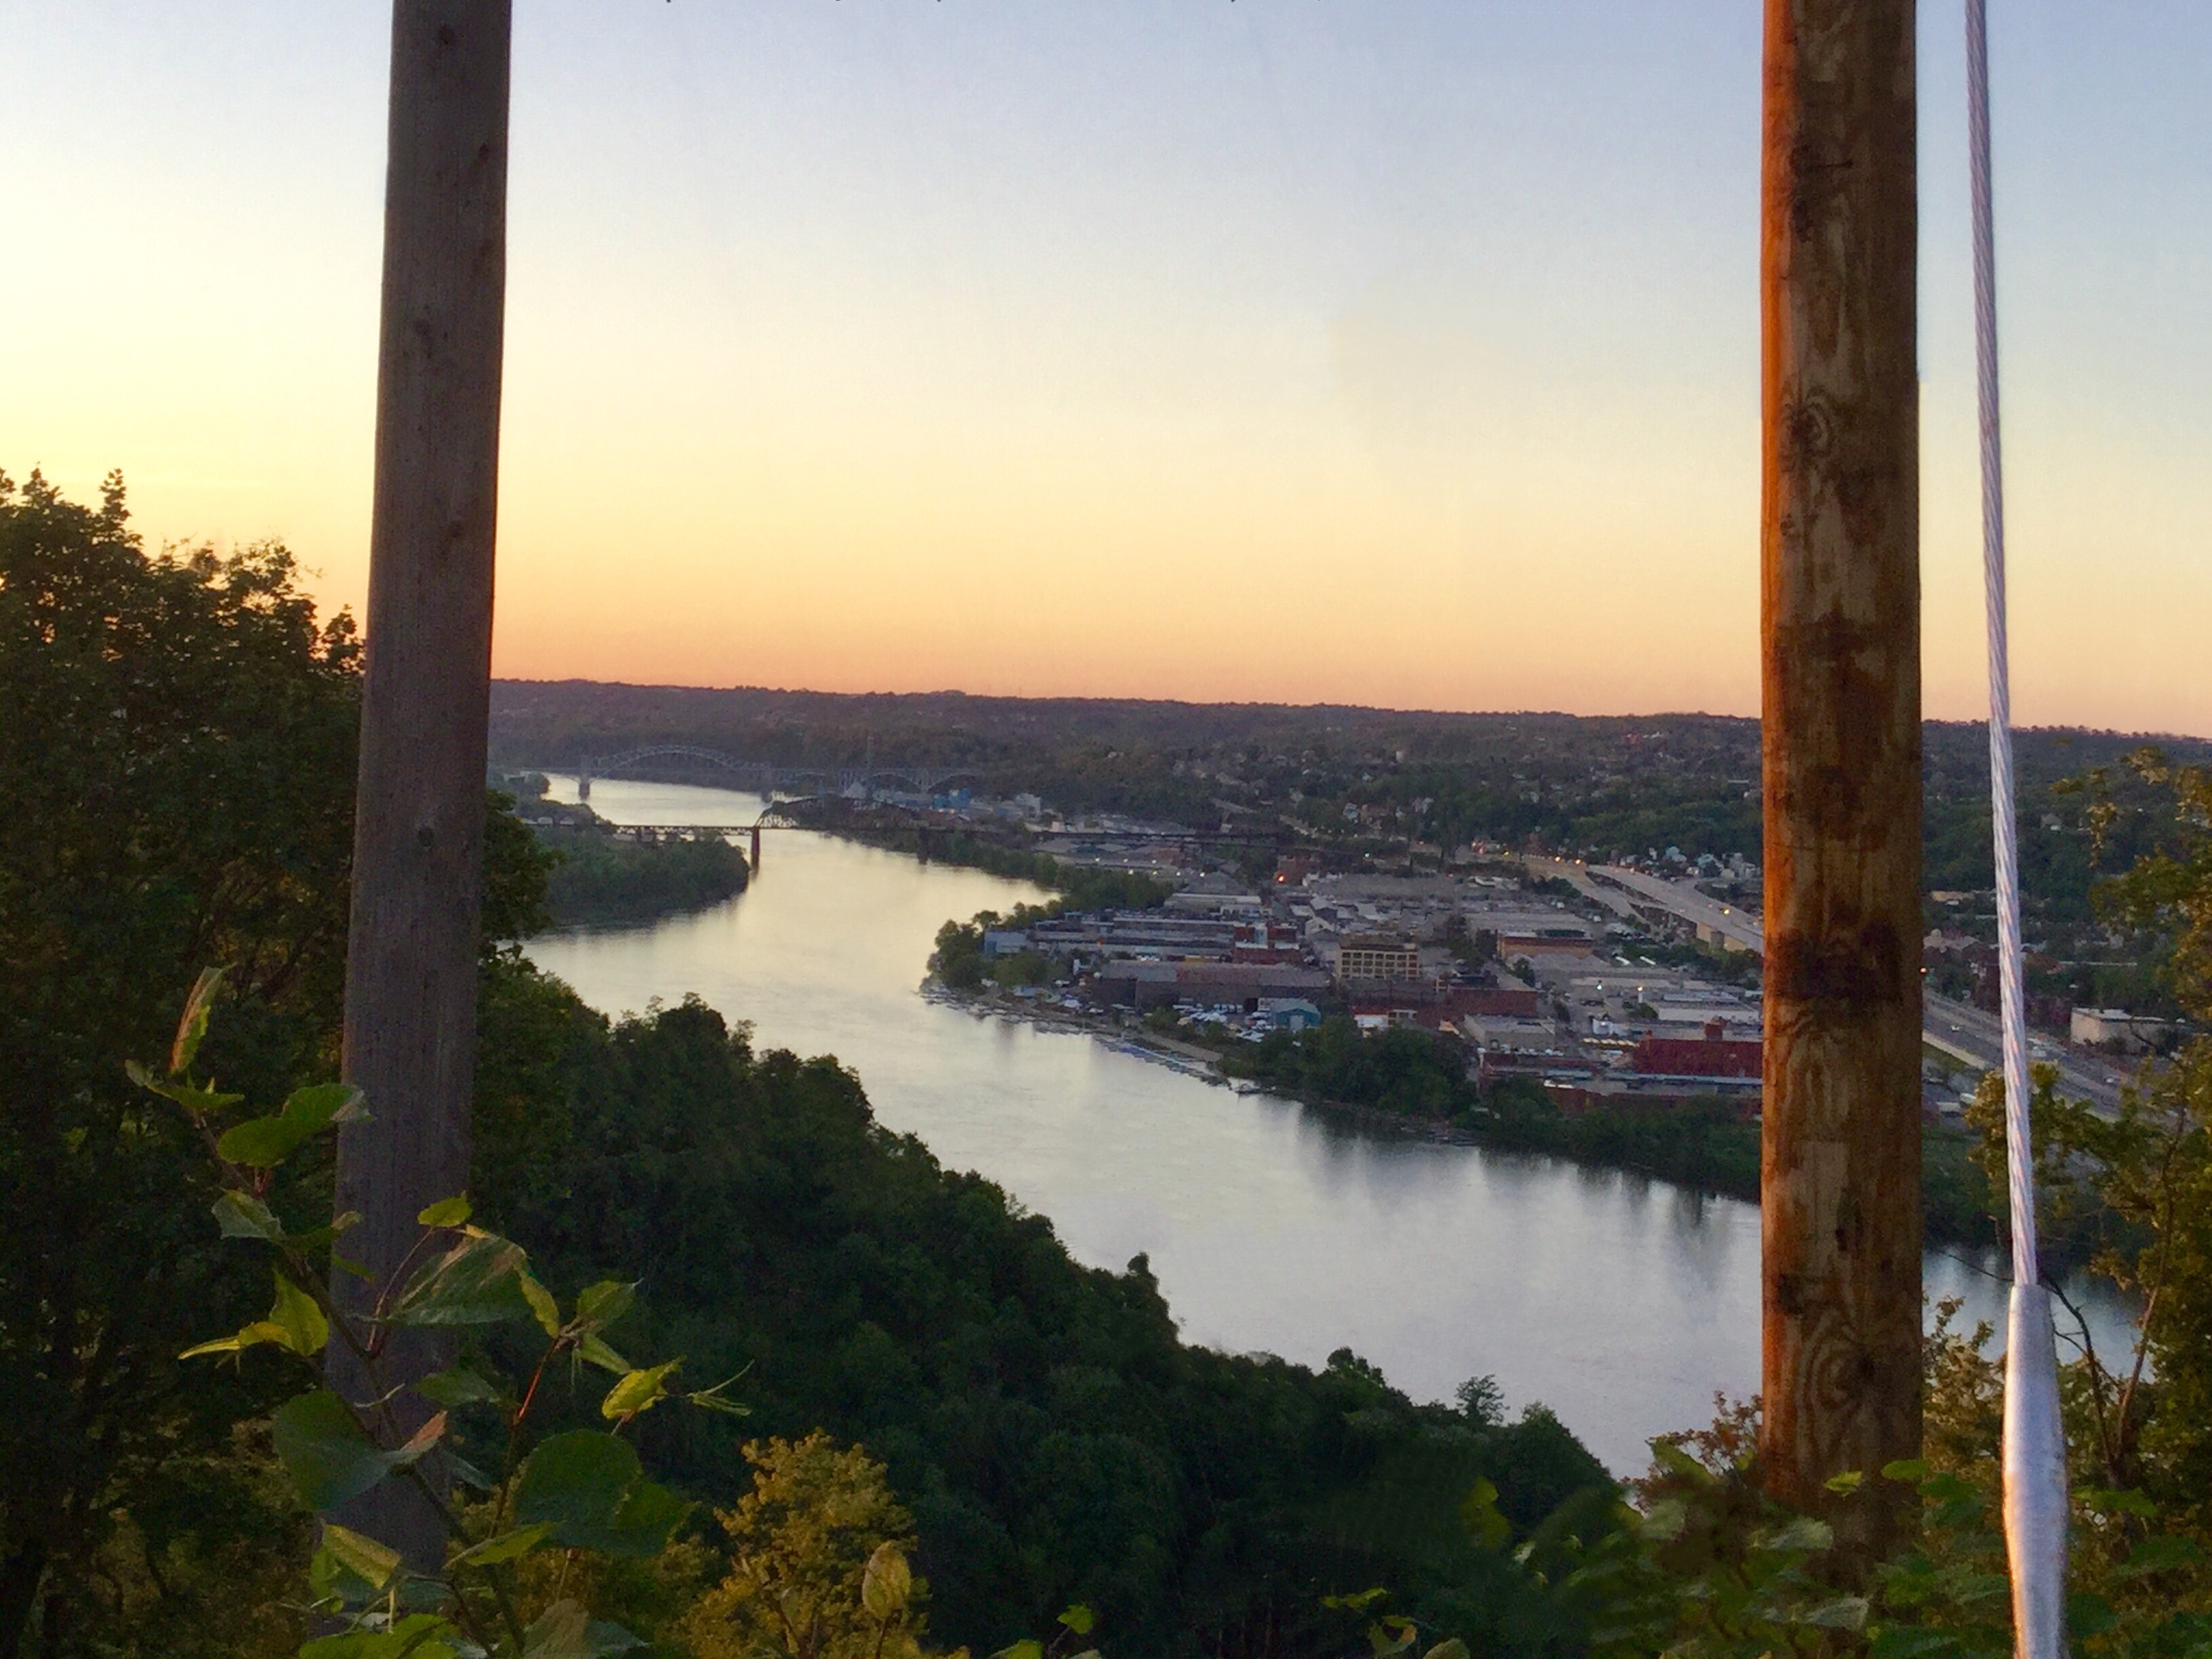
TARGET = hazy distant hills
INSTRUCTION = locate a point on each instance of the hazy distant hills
(1015, 741)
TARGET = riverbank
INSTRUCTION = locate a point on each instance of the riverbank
(1701, 1146)
(1189, 1059)
(892, 830)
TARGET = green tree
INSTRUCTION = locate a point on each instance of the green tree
(818, 1569)
(599, 878)
(176, 750)
(2147, 1168)
(1403, 1069)
(177, 746)
(958, 958)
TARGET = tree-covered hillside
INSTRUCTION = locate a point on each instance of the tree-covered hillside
(1054, 1437)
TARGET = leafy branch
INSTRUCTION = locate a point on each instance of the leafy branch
(583, 1491)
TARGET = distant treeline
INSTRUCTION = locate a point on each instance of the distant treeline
(1352, 776)
(602, 879)
(1081, 887)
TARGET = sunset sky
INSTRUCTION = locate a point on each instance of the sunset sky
(1390, 351)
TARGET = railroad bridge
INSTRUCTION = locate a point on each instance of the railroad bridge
(769, 778)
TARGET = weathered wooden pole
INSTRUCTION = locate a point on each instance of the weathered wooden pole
(418, 835)
(1840, 647)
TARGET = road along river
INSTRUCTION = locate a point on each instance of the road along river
(1621, 1303)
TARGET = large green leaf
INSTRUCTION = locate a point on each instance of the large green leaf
(598, 1306)
(250, 1336)
(543, 1307)
(650, 1513)
(886, 1583)
(296, 1323)
(329, 1457)
(576, 1481)
(592, 1490)
(305, 1330)
(504, 1547)
(198, 1102)
(1479, 1512)
(456, 1385)
(367, 1560)
(604, 1639)
(561, 1631)
(594, 1350)
(1801, 1532)
(324, 1452)
(1844, 1613)
(638, 1391)
(241, 1215)
(446, 1212)
(263, 1143)
(482, 1280)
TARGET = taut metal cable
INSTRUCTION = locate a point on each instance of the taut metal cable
(2035, 1442)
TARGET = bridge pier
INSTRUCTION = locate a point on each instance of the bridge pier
(756, 849)
(584, 779)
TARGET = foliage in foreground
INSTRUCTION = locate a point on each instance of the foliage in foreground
(582, 1491)
(170, 727)
(177, 744)
(818, 1569)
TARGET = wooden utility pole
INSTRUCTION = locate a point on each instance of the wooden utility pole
(418, 835)
(1840, 648)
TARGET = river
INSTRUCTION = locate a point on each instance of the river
(1621, 1303)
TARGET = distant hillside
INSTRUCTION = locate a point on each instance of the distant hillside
(1523, 773)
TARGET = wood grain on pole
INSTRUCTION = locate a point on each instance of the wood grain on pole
(418, 836)
(1840, 652)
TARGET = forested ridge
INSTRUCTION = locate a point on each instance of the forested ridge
(1054, 1437)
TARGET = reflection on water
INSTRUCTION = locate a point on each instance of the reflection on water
(1621, 1302)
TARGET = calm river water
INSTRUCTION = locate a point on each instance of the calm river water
(1621, 1303)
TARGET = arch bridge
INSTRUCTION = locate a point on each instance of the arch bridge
(769, 778)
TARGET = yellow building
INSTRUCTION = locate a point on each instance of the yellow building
(1377, 957)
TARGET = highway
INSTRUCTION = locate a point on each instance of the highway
(1956, 1029)
(1684, 899)
(1962, 1030)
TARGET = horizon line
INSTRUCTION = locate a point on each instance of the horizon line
(1344, 707)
